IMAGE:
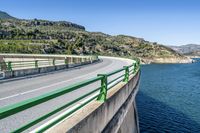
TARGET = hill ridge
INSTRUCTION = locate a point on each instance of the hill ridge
(62, 37)
(4, 15)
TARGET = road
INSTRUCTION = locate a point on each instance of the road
(19, 90)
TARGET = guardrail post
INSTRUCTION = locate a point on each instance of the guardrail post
(73, 60)
(1, 66)
(66, 61)
(90, 59)
(103, 91)
(10, 66)
(134, 67)
(79, 60)
(53, 62)
(126, 76)
(95, 57)
(36, 63)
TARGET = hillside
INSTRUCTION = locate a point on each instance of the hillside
(4, 15)
(61, 37)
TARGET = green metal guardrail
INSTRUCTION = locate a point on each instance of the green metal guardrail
(105, 86)
(12, 65)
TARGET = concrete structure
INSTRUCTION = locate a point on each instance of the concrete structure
(117, 115)
(63, 62)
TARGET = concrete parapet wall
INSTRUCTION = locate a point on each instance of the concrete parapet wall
(50, 65)
(32, 71)
(117, 114)
(36, 56)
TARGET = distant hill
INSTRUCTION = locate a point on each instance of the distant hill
(62, 37)
(189, 49)
(4, 15)
(195, 53)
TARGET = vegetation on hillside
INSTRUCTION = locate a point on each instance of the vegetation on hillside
(48, 37)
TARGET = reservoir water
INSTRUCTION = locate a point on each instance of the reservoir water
(169, 98)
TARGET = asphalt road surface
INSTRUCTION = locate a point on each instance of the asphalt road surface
(22, 89)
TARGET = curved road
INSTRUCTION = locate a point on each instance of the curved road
(19, 90)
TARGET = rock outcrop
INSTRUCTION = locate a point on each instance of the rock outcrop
(167, 60)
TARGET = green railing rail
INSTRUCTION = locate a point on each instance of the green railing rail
(100, 93)
(35, 63)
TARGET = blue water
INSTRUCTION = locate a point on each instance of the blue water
(169, 98)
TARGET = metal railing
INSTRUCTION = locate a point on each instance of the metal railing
(106, 84)
(37, 63)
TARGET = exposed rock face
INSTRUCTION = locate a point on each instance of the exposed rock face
(167, 60)
(37, 22)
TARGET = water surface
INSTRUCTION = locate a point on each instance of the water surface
(169, 98)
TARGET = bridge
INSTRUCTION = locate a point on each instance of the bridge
(63, 93)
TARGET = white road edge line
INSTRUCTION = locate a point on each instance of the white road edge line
(62, 114)
(67, 111)
(44, 87)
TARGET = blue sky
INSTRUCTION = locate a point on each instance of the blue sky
(170, 22)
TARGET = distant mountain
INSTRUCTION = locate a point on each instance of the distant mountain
(4, 15)
(189, 49)
(195, 53)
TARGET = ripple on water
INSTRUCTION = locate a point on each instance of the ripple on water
(168, 100)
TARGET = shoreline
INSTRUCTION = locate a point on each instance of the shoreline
(185, 60)
(195, 56)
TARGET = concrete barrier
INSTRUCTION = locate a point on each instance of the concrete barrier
(32, 71)
(72, 61)
(2, 75)
(118, 114)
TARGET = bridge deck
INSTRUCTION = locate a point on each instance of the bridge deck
(15, 91)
